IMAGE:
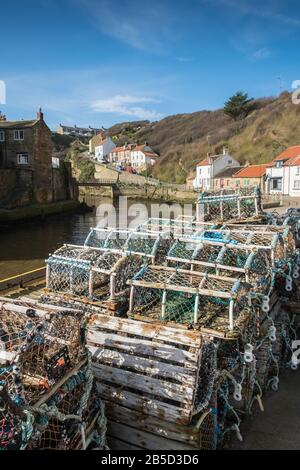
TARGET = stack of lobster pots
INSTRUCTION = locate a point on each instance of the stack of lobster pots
(189, 323)
(47, 392)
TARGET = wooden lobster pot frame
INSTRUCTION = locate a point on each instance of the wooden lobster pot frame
(130, 242)
(91, 272)
(229, 205)
(166, 294)
(247, 241)
(147, 374)
(180, 227)
(225, 259)
(286, 232)
(38, 346)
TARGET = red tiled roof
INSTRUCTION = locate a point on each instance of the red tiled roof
(290, 152)
(151, 154)
(120, 149)
(203, 162)
(252, 171)
(293, 161)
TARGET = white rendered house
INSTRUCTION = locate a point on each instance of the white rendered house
(210, 167)
(283, 173)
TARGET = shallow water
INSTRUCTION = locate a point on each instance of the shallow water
(26, 246)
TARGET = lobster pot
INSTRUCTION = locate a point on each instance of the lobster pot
(264, 231)
(147, 375)
(229, 205)
(38, 347)
(229, 259)
(68, 276)
(188, 297)
(73, 403)
(146, 244)
(181, 227)
(263, 364)
(95, 274)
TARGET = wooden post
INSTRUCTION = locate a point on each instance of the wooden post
(112, 286)
(131, 299)
(91, 287)
(47, 276)
(231, 320)
(163, 304)
(196, 309)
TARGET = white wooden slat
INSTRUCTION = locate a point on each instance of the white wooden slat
(149, 406)
(143, 346)
(154, 330)
(143, 383)
(144, 439)
(144, 422)
(142, 365)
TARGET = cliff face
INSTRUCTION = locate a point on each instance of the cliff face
(184, 139)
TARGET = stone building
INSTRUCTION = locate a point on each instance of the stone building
(225, 179)
(250, 176)
(28, 173)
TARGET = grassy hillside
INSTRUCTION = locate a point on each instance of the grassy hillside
(184, 139)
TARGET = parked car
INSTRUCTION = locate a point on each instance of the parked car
(120, 168)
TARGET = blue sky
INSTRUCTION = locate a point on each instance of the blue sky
(100, 62)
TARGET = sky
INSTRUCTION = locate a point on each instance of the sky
(100, 62)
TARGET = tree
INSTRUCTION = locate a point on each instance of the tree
(238, 106)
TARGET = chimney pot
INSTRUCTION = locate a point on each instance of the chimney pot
(40, 115)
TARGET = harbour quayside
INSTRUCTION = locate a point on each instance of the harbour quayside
(166, 336)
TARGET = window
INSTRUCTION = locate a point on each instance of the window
(2, 136)
(279, 164)
(296, 184)
(237, 183)
(297, 172)
(246, 182)
(22, 158)
(277, 184)
(19, 135)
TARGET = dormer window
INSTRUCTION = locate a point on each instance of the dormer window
(279, 164)
(18, 135)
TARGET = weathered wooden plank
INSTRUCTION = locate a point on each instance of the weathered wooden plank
(138, 402)
(116, 444)
(155, 331)
(143, 383)
(143, 365)
(143, 346)
(144, 439)
(144, 422)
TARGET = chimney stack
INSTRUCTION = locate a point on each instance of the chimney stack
(40, 115)
(2, 117)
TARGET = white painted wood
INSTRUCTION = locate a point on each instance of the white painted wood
(144, 347)
(154, 330)
(147, 405)
(143, 383)
(144, 422)
(142, 365)
(144, 439)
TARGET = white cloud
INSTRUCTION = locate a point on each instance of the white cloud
(125, 105)
(262, 53)
(141, 25)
